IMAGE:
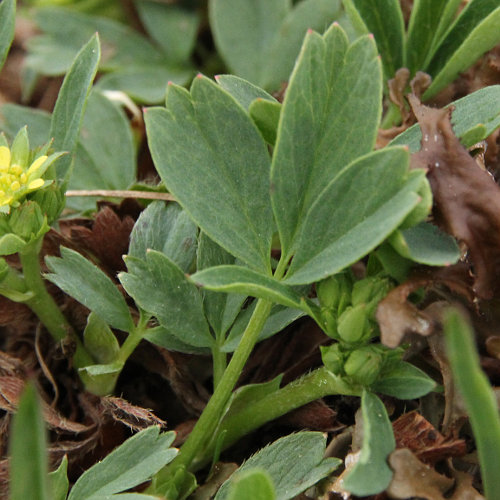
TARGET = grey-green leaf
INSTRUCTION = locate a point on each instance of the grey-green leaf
(425, 18)
(403, 380)
(70, 105)
(132, 463)
(484, 35)
(427, 244)
(105, 157)
(85, 282)
(354, 214)
(334, 95)
(237, 279)
(371, 474)
(160, 287)
(243, 32)
(59, 480)
(174, 27)
(242, 90)
(478, 396)
(252, 484)
(7, 22)
(208, 137)
(289, 475)
(480, 107)
(266, 115)
(385, 21)
(221, 309)
(167, 229)
(27, 448)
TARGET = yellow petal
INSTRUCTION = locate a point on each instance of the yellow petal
(36, 164)
(4, 157)
(23, 178)
(15, 186)
(37, 183)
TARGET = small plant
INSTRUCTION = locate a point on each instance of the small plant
(273, 204)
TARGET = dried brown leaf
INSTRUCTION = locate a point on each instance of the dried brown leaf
(413, 478)
(467, 199)
(132, 416)
(413, 431)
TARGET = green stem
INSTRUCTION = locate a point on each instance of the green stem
(219, 359)
(207, 423)
(44, 306)
(392, 117)
(315, 385)
(134, 337)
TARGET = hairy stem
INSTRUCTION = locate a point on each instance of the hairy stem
(315, 385)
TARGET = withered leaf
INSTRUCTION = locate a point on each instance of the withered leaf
(132, 416)
(466, 198)
(412, 478)
(414, 432)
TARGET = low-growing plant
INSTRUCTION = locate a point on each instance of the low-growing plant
(274, 202)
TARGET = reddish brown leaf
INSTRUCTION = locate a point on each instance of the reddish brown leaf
(467, 199)
(315, 416)
(414, 432)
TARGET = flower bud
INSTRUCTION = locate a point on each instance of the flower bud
(329, 322)
(335, 292)
(28, 222)
(370, 291)
(51, 201)
(363, 365)
(353, 325)
(333, 358)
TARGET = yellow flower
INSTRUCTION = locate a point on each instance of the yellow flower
(16, 181)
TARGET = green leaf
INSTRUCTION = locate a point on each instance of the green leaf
(243, 32)
(356, 211)
(160, 287)
(59, 480)
(482, 35)
(159, 335)
(27, 447)
(7, 22)
(132, 463)
(480, 107)
(425, 19)
(242, 90)
(371, 474)
(10, 244)
(167, 229)
(334, 94)
(266, 115)
(99, 340)
(220, 309)
(306, 15)
(278, 319)
(70, 105)
(65, 31)
(289, 475)
(85, 282)
(426, 244)
(478, 396)
(144, 82)
(402, 380)
(105, 157)
(385, 21)
(206, 136)
(252, 484)
(237, 279)
(14, 116)
(173, 27)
